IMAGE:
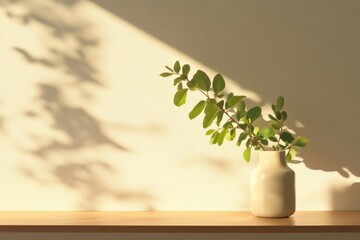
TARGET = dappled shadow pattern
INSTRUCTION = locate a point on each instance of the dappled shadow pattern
(32, 59)
(67, 51)
(81, 128)
(74, 63)
(55, 17)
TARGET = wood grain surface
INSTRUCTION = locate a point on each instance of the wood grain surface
(332, 221)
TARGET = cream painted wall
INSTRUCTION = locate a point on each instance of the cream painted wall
(87, 124)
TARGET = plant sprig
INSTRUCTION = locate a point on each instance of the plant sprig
(238, 118)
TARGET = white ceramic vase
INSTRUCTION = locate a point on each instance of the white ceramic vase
(272, 191)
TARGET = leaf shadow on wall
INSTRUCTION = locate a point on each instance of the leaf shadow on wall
(82, 129)
(274, 49)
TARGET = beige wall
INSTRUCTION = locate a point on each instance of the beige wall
(87, 124)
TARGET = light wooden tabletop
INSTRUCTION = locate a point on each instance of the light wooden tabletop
(331, 221)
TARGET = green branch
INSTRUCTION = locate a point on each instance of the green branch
(243, 118)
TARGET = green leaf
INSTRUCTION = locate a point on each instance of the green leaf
(283, 116)
(241, 108)
(210, 107)
(229, 96)
(202, 80)
(210, 131)
(191, 85)
(287, 137)
(264, 142)
(177, 67)
(186, 69)
(278, 115)
(248, 142)
(276, 125)
(222, 135)
(168, 68)
(214, 137)
(180, 87)
(273, 107)
(291, 154)
(220, 104)
(218, 83)
(231, 135)
(267, 132)
(166, 74)
(228, 125)
(300, 142)
(241, 138)
(219, 117)
(197, 109)
(256, 131)
(288, 157)
(247, 154)
(244, 120)
(272, 117)
(180, 97)
(254, 143)
(238, 115)
(273, 139)
(280, 103)
(177, 80)
(221, 113)
(253, 113)
(209, 118)
(234, 100)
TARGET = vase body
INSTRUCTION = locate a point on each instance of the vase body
(272, 190)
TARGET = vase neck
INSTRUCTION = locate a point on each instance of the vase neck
(272, 158)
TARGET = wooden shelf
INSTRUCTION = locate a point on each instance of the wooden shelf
(333, 221)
